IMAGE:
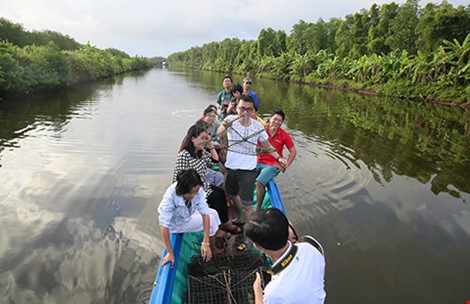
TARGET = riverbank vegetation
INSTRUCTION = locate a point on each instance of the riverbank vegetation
(394, 50)
(47, 59)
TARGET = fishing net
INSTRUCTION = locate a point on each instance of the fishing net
(225, 279)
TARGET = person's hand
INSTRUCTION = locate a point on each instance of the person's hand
(206, 252)
(283, 162)
(210, 144)
(227, 124)
(258, 290)
(169, 258)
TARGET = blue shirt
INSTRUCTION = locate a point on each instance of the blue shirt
(255, 98)
(174, 212)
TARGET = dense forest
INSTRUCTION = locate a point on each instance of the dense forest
(395, 50)
(47, 59)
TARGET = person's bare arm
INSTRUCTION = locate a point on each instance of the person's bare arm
(205, 246)
(291, 157)
(268, 147)
(170, 256)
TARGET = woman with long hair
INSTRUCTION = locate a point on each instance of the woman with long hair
(193, 155)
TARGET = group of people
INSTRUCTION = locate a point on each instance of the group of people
(224, 156)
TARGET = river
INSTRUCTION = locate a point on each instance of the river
(382, 183)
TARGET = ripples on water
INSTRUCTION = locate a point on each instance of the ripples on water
(380, 200)
(73, 189)
(82, 171)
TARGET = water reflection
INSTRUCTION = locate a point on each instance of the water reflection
(422, 141)
(382, 183)
(390, 136)
(71, 197)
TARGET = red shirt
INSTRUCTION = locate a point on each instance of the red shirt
(281, 139)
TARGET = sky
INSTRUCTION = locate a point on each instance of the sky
(159, 28)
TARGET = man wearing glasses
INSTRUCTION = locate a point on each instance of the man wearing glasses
(247, 91)
(243, 134)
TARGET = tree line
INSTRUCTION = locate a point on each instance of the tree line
(47, 59)
(396, 50)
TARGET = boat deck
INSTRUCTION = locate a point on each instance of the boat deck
(171, 285)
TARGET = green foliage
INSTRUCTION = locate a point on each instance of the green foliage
(24, 69)
(402, 31)
(43, 66)
(117, 53)
(380, 29)
(13, 33)
(397, 127)
(343, 36)
(17, 35)
(297, 42)
(393, 49)
(11, 73)
(442, 22)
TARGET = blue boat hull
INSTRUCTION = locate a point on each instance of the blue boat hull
(162, 292)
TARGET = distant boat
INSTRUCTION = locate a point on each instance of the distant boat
(163, 64)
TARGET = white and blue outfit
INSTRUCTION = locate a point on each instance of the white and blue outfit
(180, 216)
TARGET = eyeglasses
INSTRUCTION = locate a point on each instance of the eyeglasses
(243, 109)
(248, 83)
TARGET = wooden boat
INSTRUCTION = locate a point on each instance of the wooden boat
(171, 283)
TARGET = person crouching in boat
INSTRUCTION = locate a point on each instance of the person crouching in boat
(193, 155)
(184, 209)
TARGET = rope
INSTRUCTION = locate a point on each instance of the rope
(219, 138)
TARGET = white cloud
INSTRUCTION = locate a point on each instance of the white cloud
(150, 28)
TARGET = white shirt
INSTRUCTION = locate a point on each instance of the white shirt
(302, 281)
(242, 142)
(174, 211)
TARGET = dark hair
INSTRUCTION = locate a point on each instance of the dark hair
(186, 180)
(247, 98)
(202, 123)
(237, 88)
(208, 110)
(211, 106)
(268, 228)
(227, 76)
(194, 131)
(278, 112)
